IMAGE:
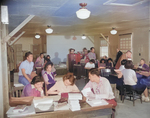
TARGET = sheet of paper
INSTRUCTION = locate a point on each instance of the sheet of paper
(42, 101)
(44, 107)
(85, 91)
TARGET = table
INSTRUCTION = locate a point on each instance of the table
(85, 112)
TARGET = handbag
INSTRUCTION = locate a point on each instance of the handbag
(14, 101)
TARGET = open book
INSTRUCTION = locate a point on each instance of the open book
(96, 102)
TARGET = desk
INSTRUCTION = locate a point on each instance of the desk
(85, 112)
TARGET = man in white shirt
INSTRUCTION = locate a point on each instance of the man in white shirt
(90, 64)
(25, 69)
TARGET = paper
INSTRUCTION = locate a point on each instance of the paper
(74, 96)
(94, 103)
(28, 111)
(44, 107)
(42, 101)
(61, 106)
(86, 91)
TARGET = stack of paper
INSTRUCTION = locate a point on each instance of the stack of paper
(28, 111)
(74, 105)
(95, 102)
(43, 104)
(74, 96)
(73, 101)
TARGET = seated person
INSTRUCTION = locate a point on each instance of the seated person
(25, 69)
(64, 86)
(49, 77)
(39, 61)
(130, 78)
(92, 54)
(145, 79)
(90, 64)
(143, 66)
(35, 88)
(102, 64)
(118, 71)
(100, 86)
(109, 63)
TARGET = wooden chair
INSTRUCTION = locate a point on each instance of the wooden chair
(132, 94)
(16, 91)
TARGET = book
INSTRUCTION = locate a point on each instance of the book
(95, 102)
(61, 106)
(74, 96)
(43, 101)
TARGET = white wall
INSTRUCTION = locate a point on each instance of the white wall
(62, 44)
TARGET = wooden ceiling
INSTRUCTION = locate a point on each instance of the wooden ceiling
(61, 15)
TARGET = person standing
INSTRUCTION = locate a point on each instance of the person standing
(92, 54)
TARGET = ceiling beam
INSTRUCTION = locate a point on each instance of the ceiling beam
(6, 39)
(12, 42)
(104, 38)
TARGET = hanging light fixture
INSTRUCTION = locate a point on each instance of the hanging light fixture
(83, 13)
(113, 31)
(49, 30)
(83, 36)
(37, 36)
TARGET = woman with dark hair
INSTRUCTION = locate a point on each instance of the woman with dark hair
(143, 66)
(39, 61)
(102, 64)
(90, 64)
(64, 86)
(130, 78)
(35, 88)
(49, 77)
(109, 63)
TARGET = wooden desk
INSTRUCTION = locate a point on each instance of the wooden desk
(85, 112)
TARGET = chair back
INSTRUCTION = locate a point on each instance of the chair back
(16, 91)
(105, 72)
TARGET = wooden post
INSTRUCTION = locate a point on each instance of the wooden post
(1, 79)
(104, 38)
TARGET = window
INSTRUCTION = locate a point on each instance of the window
(125, 42)
(103, 47)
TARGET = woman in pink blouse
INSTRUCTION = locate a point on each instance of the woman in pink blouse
(64, 86)
(35, 88)
(100, 87)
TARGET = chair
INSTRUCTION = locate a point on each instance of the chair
(132, 94)
(105, 72)
(16, 91)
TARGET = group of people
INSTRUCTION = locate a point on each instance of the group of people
(100, 86)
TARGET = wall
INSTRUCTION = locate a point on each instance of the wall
(26, 42)
(58, 46)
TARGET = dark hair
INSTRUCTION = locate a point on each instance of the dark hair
(84, 49)
(92, 60)
(71, 49)
(41, 54)
(48, 60)
(69, 76)
(143, 59)
(129, 64)
(94, 71)
(47, 56)
(109, 59)
(37, 79)
(102, 60)
(27, 54)
(47, 64)
(123, 62)
(92, 48)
